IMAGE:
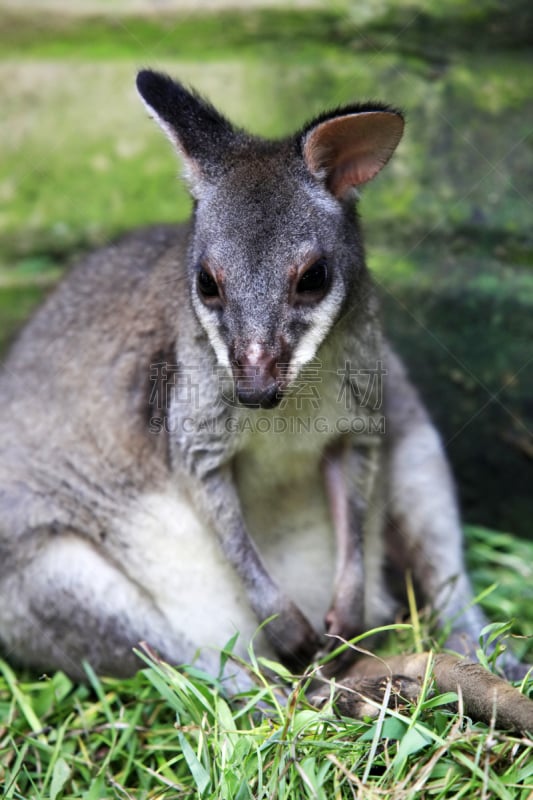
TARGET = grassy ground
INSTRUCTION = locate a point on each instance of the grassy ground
(171, 733)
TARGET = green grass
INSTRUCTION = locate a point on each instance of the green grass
(174, 733)
(506, 562)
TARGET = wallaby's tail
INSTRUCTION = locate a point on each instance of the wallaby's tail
(485, 697)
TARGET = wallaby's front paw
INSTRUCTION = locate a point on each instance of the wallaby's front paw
(293, 637)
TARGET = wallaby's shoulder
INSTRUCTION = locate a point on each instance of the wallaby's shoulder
(109, 296)
(108, 279)
(86, 355)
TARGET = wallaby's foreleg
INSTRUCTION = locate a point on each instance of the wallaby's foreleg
(352, 483)
(290, 633)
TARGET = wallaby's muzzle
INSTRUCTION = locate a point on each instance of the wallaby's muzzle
(258, 378)
(256, 389)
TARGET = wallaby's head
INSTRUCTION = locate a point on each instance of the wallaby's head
(275, 255)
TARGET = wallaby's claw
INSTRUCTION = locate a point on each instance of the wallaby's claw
(294, 638)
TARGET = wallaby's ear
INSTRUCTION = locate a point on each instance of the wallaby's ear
(193, 125)
(348, 147)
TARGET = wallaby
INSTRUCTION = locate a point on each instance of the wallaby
(203, 428)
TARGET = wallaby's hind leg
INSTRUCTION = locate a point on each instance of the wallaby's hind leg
(425, 520)
(425, 529)
(70, 604)
(425, 523)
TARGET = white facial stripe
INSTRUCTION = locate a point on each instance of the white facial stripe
(210, 327)
(308, 345)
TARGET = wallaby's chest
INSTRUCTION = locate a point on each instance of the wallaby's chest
(284, 503)
(280, 481)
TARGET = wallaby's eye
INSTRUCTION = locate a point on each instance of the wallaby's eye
(207, 286)
(314, 280)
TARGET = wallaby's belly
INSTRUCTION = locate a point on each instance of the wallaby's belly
(191, 582)
(178, 562)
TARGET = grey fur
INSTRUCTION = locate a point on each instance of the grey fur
(106, 485)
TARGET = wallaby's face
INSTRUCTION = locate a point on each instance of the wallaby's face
(275, 250)
(268, 279)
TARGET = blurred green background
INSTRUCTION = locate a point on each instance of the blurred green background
(448, 223)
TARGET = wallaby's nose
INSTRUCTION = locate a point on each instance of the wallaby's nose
(257, 378)
(267, 397)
